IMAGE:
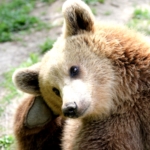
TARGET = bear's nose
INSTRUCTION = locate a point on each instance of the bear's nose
(70, 110)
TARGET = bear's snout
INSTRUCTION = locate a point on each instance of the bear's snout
(70, 110)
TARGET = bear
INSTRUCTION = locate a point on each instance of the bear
(95, 81)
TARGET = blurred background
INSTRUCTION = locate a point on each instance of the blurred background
(28, 28)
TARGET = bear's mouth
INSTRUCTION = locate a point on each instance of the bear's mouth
(83, 111)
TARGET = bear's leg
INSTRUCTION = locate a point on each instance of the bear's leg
(35, 127)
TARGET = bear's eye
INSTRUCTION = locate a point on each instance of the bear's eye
(56, 91)
(74, 71)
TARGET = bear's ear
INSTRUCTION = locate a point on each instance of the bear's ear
(26, 79)
(78, 17)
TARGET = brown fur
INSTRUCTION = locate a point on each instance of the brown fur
(128, 126)
(112, 91)
(38, 138)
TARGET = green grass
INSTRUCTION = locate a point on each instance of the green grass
(7, 83)
(94, 1)
(47, 45)
(94, 11)
(48, 1)
(101, 1)
(141, 13)
(15, 16)
(140, 20)
(6, 142)
(107, 13)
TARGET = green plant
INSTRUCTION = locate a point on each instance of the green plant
(14, 17)
(47, 45)
(140, 20)
(94, 1)
(94, 11)
(141, 13)
(6, 141)
(48, 1)
(107, 13)
(101, 1)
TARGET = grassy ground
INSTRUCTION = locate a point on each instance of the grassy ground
(141, 20)
(15, 17)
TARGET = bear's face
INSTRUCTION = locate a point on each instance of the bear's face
(75, 78)
(78, 78)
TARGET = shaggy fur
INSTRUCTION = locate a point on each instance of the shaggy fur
(43, 137)
(111, 92)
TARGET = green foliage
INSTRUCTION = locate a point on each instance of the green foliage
(48, 1)
(14, 17)
(6, 141)
(47, 45)
(140, 20)
(94, 11)
(141, 13)
(34, 58)
(101, 1)
(94, 1)
(107, 13)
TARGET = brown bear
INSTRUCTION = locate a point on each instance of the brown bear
(97, 79)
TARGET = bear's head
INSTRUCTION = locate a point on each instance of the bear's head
(76, 77)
